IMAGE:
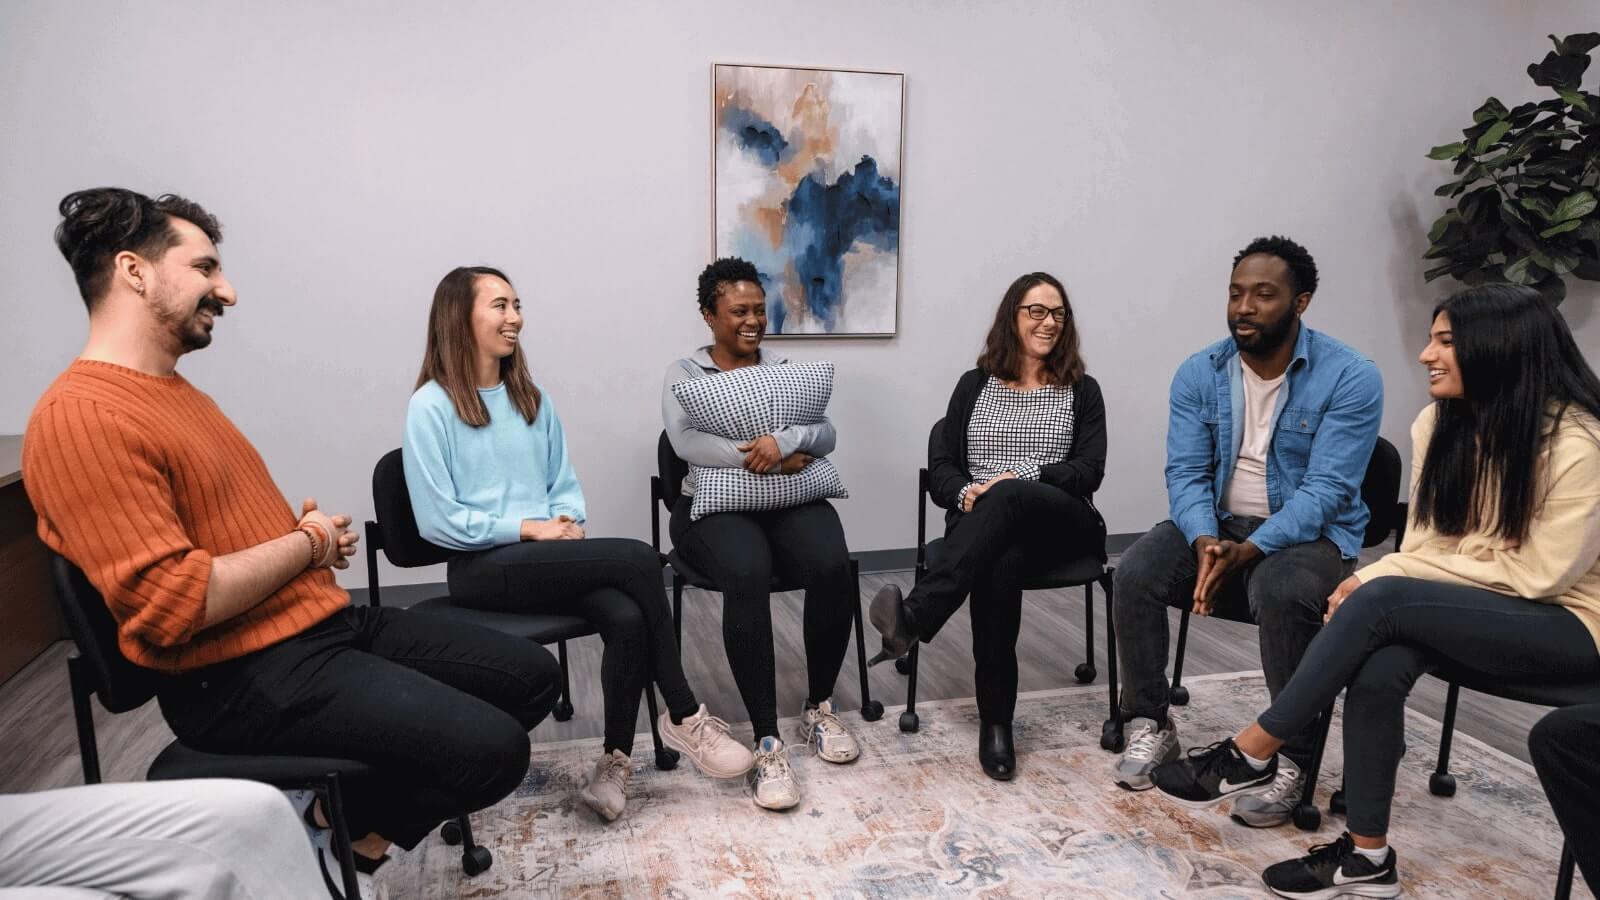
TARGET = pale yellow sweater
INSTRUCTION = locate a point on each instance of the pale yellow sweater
(1558, 562)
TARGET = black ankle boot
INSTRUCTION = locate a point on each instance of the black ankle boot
(995, 751)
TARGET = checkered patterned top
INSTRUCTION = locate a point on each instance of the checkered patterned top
(1018, 431)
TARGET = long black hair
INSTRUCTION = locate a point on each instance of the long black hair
(1520, 373)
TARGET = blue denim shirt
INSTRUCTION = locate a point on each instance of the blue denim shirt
(1328, 414)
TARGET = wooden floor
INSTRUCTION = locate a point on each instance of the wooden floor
(39, 746)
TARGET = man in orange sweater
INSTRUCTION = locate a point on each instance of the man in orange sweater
(140, 480)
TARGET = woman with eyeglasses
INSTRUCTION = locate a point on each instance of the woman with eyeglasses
(1021, 452)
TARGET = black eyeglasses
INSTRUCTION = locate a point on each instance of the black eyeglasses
(1037, 312)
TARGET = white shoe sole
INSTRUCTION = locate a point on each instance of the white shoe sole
(777, 807)
(599, 808)
(668, 738)
(805, 735)
(1343, 890)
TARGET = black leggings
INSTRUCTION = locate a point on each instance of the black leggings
(740, 552)
(614, 583)
(1383, 639)
(1562, 745)
(989, 553)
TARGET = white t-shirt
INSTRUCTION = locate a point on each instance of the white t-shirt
(1247, 487)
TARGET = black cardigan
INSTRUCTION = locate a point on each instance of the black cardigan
(1079, 474)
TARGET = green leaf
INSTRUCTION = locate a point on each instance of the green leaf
(1557, 71)
(1523, 271)
(1576, 99)
(1563, 228)
(1441, 224)
(1537, 204)
(1447, 151)
(1557, 263)
(1575, 206)
(1494, 134)
(1510, 210)
(1577, 44)
(1437, 272)
(1491, 110)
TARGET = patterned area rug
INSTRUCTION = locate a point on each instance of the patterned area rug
(916, 817)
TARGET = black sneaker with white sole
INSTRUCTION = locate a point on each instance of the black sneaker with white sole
(1210, 775)
(1333, 870)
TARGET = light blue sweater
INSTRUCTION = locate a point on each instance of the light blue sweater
(472, 487)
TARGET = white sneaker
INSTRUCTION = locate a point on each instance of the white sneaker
(772, 781)
(606, 790)
(826, 735)
(1148, 746)
(371, 889)
(1276, 804)
(704, 738)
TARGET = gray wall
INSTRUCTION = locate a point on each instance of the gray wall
(355, 152)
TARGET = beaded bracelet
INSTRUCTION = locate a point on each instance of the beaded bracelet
(319, 546)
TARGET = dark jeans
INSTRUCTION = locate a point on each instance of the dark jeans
(740, 552)
(1562, 745)
(615, 584)
(1382, 640)
(1284, 593)
(989, 553)
(439, 709)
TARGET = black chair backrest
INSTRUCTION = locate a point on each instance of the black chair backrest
(671, 469)
(120, 684)
(1380, 490)
(934, 435)
(402, 543)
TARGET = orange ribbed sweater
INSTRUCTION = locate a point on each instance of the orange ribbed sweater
(140, 480)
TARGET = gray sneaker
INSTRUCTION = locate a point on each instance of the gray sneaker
(772, 781)
(1276, 804)
(825, 734)
(1148, 746)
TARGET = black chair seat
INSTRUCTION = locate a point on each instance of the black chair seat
(1056, 573)
(1544, 693)
(178, 761)
(542, 628)
(694, 578)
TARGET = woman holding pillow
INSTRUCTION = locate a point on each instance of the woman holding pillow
(1023, 450)
(487, 468)
(740, 550)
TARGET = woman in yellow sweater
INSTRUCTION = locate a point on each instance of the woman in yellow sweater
(1499, 573)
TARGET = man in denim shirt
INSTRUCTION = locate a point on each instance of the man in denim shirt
(1268, 439)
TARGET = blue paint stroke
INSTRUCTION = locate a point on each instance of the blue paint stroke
(825, 220)
(755, 135)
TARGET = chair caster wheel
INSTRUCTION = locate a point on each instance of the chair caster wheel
(1442, 784)
(563, 711)
(1336, 803)
(1307, 818)
(1179, 696)
(903, 665)
(1084, 673)
(1111, 737)
(450, 833)
(476, 861)
(666, 759)
(909, 721)
(872, 712)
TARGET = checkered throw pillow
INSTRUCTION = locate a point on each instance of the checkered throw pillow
(719, 489)
(745, 404)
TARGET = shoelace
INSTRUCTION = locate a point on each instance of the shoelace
(773, 764)
(1209, 757)
(1142, 745)
(705, 723)
(826, 723)
(1288, 777)
(1322, 856)
(616, 772)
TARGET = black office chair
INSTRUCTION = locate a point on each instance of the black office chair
(665, 488)
(100, 669)
(1062, 572)
(395, 533)
(1380, 488)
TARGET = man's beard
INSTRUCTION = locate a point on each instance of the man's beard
(186, 329)
(1268, 336)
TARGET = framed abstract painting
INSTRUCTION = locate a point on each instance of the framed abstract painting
(806, 185)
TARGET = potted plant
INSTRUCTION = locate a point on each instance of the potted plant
(1525, 184)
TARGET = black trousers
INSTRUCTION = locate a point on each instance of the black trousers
(741, 552)
(1382, 640)
(988, 553)
(614, 583)
(440, 709)
(1562, 745)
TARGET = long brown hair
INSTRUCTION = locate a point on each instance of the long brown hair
(452, 352)
(1002, 349)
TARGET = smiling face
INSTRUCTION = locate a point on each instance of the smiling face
(496, 317)
(1037, 337)
(740, 320)
(187, 292)
(1262, 305)
(1439, 357)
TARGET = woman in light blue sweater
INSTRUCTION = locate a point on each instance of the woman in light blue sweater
(487, 468)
